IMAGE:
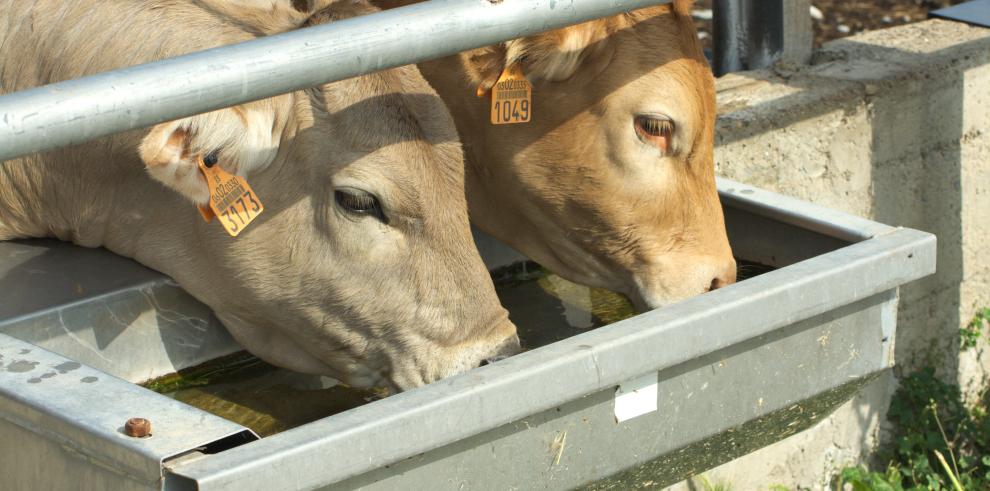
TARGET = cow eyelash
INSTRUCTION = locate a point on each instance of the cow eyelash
(359, 202)
(655, 126)
(655, 131)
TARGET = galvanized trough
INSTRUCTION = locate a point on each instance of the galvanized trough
(715, 376)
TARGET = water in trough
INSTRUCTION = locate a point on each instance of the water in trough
(545, 308)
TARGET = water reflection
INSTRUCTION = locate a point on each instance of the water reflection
(545, 307)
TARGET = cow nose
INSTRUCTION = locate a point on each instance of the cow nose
(725, 278)
(489, 361)
(505, 349)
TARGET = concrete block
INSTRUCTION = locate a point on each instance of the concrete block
(893, 125)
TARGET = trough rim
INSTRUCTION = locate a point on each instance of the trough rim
(383, 432)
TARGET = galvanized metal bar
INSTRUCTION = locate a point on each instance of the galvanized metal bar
(424, 419)
(709, 411)
(753, 34)
(79, 110)
(70, 408)
(828, 222)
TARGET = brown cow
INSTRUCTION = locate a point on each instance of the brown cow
(612, 182)
(361, 266)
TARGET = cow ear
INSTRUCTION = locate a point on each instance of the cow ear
(683, 7)
(552, 56)
(267, 16)
(556, 55)
(484, 65)
(242, 139)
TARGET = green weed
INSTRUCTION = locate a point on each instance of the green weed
(707, 485)
(971, 334)
(939, 443)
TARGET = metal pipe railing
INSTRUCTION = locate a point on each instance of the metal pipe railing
(76, 111)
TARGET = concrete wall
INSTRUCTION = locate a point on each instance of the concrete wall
(892, 125)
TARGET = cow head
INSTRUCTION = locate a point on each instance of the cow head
(362, 265)
(612, 182)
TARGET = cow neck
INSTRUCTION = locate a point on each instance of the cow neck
(19, 205)
(80, 195)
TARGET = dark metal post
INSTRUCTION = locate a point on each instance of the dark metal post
(752, 34)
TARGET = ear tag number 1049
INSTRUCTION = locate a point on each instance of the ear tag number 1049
(512, 97)
(231, 199)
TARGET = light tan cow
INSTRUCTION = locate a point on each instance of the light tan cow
(361, 266)
(612, 182)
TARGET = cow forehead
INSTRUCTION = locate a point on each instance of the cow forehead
(393, 135)
(388, 107)
(649, 50)
(661, 59)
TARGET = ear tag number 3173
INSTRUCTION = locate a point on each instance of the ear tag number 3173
(512, 97)
(231, 199)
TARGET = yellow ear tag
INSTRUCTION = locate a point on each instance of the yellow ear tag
(512, 97)
(231, 199)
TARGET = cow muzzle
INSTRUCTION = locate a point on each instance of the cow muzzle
(507, 348)
(439, 362)
(680, 278)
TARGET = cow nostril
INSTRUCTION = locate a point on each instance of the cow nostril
(723, 277)
(716, 284)
(493, 359)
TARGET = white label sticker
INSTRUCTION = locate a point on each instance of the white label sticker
(636, 397)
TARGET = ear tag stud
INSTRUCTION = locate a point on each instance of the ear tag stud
(232, 200)
(512, 97)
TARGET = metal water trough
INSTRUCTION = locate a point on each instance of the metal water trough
(733, 370)
(715, 376)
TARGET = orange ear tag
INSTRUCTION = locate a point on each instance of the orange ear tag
(231, 199)
(512, 97)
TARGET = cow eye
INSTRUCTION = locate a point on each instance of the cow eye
(655, 130)
(359, 202)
